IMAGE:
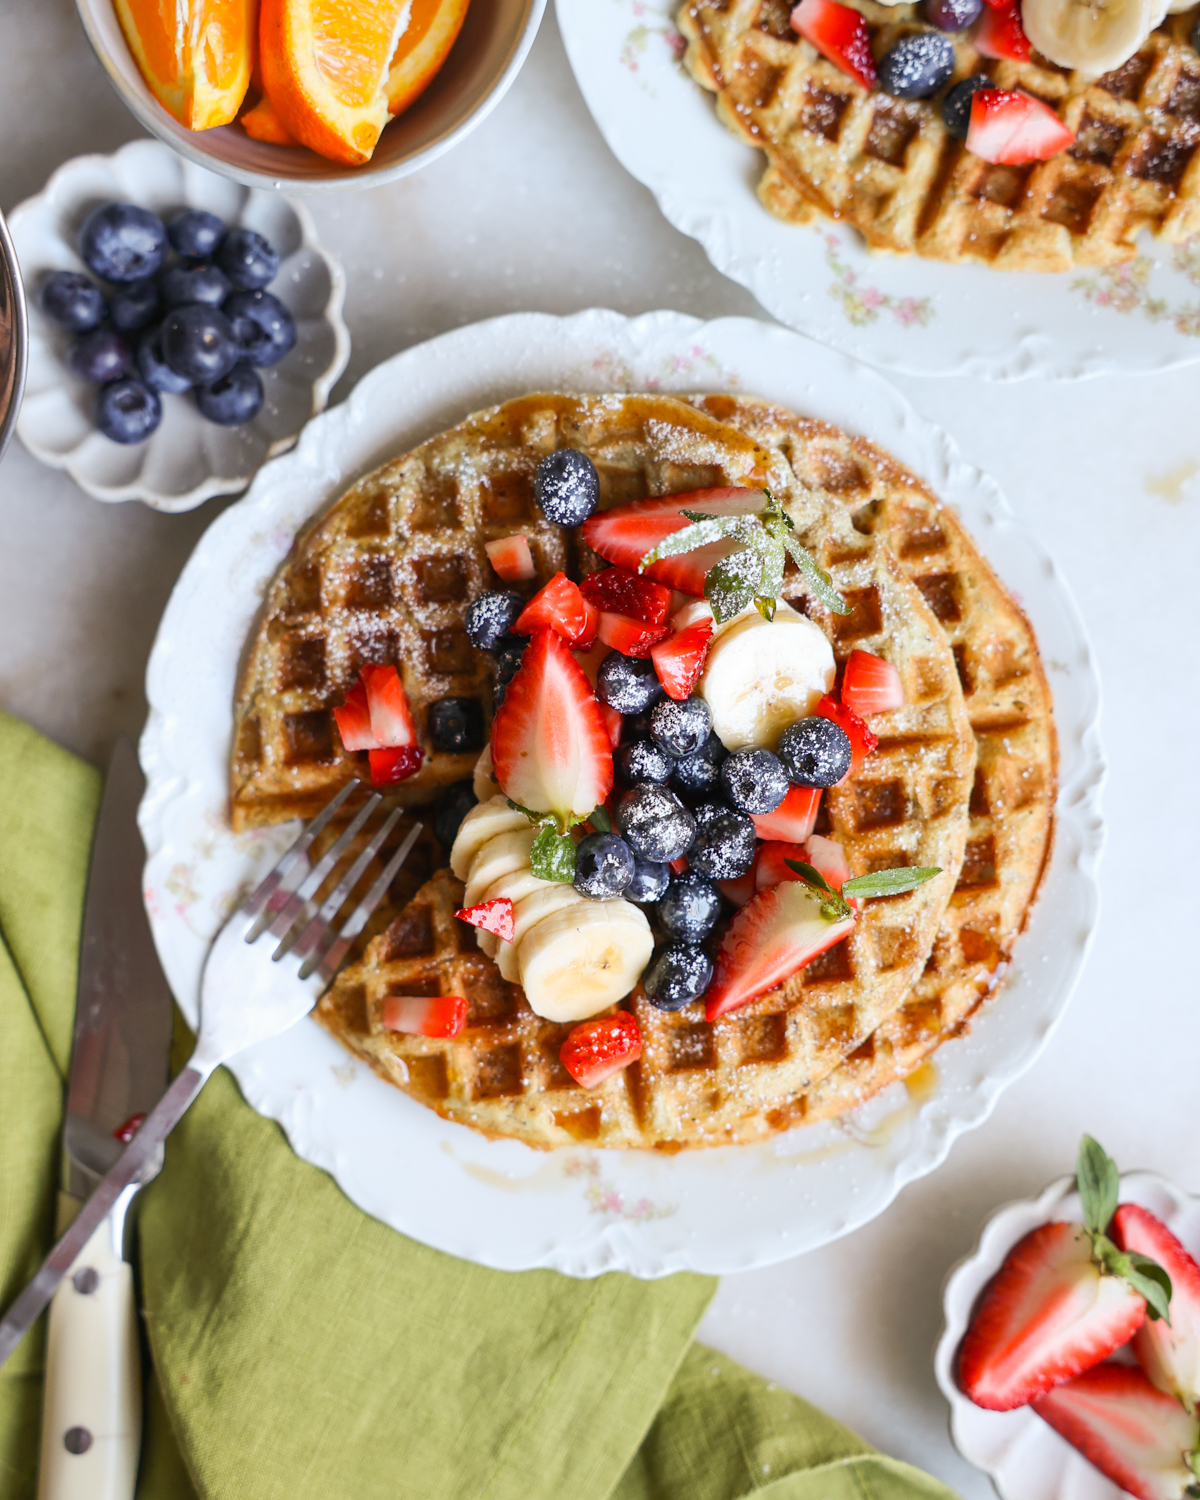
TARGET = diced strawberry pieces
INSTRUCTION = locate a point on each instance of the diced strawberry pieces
(871, 685)
(630, 637)
(394, 763)
(511, 558)
(1049, 1314)
(595, 1050)
(773, 936)
(626, 533)
(1000, 34)
(1168, 1352)
(680, 659)
(770, 868)
(740, 891)
(424, 1015)
(795, 817)
(828, 859)
(1132, 1432)
(614, 722)
(1011, 128)
(620, 591)
(862, 741)
(391, 718)
(563, 608)
(494, 916)
(840, 34)
(678, 866)
(354, 720)
(550, 746)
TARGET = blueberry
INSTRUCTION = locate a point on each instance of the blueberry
(636, 726)
(627, 684)
(690, 907)
(134, 305)
(650, 879)
(508, 658)
(724, 846)
(815, 752)
(680, 974)
(655, 823)
(952, 15)
(700, 771)
(127, 411)
(198, 342)
(917, 65)
(100, 356)
(153, 368)
(122, 242)
(234, 399)
(491, 616)
(643, 761)
(72, 301)
(456, 725)
(680, 727)
(754, 781)
(195, 233)
(567, 487)
(956, 106)
(450, 809)
(263, 327)
(247, 259)
(604, 866)
(182, 284)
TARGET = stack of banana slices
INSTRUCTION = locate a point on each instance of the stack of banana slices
(1093, 37)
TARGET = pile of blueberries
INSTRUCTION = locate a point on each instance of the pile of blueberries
(202, 322)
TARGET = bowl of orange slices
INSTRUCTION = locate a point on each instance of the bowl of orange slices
(311, 94)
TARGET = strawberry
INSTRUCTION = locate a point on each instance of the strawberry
(354, 720)
(1134, 1434)
(1170, 1355)
(769, 867)
(494, 916)
(678, 866)
(614, 722)
(862, 741)
(595, 1050)
(626, 533)
(391, 718)
(870, 685)
(1001, 34)
(424, 1015)
(793, 820)
(838, 33)
(828, 858)
(739, 891)
(392, 763)
(562, 607)
(1010, 127)
(550, 747)
(680, 659)
(511, 558)
(621, 592)
(776, 933)
(630, 637)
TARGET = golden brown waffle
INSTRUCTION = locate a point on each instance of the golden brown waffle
(891, 169)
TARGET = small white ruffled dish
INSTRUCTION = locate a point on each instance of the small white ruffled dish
(188, 459)
(1022, 1455)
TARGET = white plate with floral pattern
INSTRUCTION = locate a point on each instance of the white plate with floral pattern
(1025, 1458)
(899, 312)
(586, 1211)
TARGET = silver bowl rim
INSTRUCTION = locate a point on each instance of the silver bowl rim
(19, 338)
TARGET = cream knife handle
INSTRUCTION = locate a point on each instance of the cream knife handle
(92, 1416)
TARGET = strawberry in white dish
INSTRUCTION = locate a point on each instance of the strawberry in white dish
(1168, 1352)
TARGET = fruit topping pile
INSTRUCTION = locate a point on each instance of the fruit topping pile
(184, 308)
(1096, 1326)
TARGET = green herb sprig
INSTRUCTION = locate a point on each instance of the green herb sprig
(1099, 1185)
(835, 907)
(552, 855)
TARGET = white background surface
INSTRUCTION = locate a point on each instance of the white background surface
(533, 212)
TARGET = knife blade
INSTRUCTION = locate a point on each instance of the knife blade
(120, 1061)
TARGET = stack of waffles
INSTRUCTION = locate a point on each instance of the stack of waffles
(963, 777)
(891, 169)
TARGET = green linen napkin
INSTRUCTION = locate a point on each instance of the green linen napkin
(300, 1349)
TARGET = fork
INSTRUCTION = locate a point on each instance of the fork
(248, 994)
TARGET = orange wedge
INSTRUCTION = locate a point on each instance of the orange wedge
(325, 67)
(432, 28)
(261, 123)
(193, 54)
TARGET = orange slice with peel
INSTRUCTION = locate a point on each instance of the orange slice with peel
(261, 123)
(433, 27)
(193, 54)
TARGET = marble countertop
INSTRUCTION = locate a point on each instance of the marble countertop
(532, 212)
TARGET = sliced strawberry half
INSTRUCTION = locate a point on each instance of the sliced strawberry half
(550, 746)
(511, 558)
(1010, 128)
(1049, 1314)
(494, 916)
(794, 819)
(394, 763)
(862, 741)
(679, 660)
(776, 933)
(840, 34)
(595, 1050)
(614, 723)
(770, 867)
(1168, 1352)
(870, 685)
(626, 533)
(562, 607)
(828, 858)
(1138, 1437)
(387, 702)
(1000, 33)
(619, 591)
(630, 637)
(742, 889)
(424, 1015)
(354, 720)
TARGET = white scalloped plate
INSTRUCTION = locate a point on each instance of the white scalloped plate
(580, 1211)
(899, 312)
(187, 460)
(1023, 1456)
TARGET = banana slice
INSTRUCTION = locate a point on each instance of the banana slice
(482, 823)
(515, 886)
(527, 913)
(584, 958)
(506, 854)
(763, 675)
(1090, 36)
(483, 778)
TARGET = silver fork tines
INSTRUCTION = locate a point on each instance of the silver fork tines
(314, 936)
(269, 897)
(300, 900)
(360, 916)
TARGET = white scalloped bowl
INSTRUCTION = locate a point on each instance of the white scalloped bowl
(187, 460)
(1023, 1456)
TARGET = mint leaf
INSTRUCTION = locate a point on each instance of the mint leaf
(816, 579)
(553, 855)
(833, 908)
(1099, 1185)
(1151, 1279)
(600, 820)
(888, 882)
(704, 530)
(730, 584)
